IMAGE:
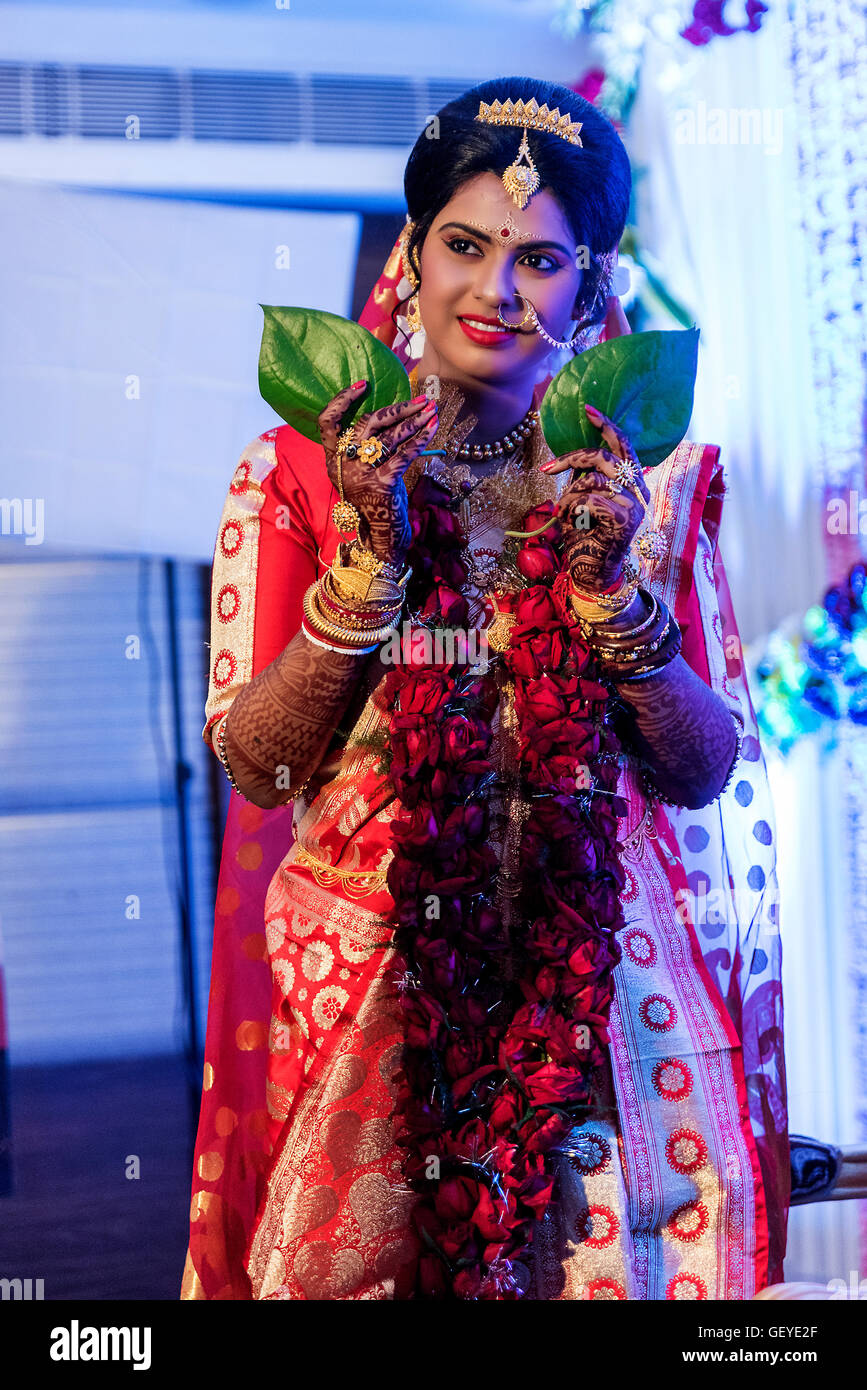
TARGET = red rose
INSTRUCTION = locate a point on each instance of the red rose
(553, 1085)
(539, 516)
(535, 607)
(446, 604)
(456, 1198)
(538, 562)
(426, 693)
(544, 698)
(463, 738)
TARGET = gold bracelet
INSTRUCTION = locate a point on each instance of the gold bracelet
(593, 630)
(355, 586)
(617, 599)
(353, 611)
(323, 628)
(366, 560)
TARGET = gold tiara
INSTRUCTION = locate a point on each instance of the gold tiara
(530, 115)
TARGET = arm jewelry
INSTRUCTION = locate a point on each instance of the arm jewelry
(350, 610)
(634, 637)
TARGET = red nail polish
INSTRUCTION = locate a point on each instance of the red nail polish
(416, 400)
(593, 412)
(356, 384)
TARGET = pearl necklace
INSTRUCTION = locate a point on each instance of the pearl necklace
(476, 453)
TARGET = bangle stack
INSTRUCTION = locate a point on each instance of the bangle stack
(353, 608)
(635, 653)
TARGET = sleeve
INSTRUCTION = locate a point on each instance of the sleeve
(265, 558)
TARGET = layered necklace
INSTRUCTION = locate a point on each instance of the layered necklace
(490, 508)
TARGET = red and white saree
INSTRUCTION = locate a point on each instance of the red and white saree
(680, 1189)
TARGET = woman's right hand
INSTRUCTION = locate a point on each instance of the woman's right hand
(378, 494)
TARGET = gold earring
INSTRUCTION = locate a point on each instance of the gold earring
(413, 316)
(409, 270)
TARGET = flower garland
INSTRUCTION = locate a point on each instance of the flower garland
(504, 1026)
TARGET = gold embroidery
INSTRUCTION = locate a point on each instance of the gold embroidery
(355, 883)
(238, 570)
(191, 1286)
(356, 926)
(210, 1166)
(250, 1035)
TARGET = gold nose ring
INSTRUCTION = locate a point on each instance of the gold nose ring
(528, 316)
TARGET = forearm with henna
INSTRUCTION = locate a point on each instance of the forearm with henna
(683, 730)
(675, 722)
(286, 717)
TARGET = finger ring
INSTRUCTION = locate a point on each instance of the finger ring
(624, 473)
(372, 451)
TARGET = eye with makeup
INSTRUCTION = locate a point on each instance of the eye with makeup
(456, 243)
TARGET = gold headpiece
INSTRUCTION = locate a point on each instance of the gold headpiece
(521, 179)
(530, 114)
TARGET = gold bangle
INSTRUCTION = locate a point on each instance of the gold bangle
(373, 615)
(323, 628)
(614, 602)
(357, 586)
(595, 629)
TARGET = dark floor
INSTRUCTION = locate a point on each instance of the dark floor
(74, 1218)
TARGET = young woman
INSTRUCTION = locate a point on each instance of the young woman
(513, 1028)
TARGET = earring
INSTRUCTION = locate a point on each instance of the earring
(413, 316)
(408, 269)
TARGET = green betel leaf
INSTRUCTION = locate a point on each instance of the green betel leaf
(644, 382)
(307, 356)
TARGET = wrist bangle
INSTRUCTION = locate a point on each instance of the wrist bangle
(221, 754)
(343, 651)
(623, 673)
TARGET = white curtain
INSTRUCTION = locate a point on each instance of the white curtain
(727, 203)
(724, 221)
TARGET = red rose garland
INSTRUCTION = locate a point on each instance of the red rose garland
(503, 1031)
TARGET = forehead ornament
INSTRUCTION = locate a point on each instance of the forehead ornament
(521, 179)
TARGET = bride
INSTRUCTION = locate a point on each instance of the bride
(474, 1031)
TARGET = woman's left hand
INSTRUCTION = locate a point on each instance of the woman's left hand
(598, 525)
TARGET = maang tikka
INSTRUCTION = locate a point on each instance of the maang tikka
(521, 179)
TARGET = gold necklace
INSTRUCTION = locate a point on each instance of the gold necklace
(491, 505)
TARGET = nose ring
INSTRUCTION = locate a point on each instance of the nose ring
(529, 315)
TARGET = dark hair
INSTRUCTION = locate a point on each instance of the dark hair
(591, 181)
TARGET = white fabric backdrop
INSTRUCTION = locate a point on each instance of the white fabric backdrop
(725, 221)
(97, 289)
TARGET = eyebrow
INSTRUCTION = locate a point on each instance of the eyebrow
(483, 236)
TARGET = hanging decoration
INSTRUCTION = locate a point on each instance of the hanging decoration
(621, 29)
(813, 679)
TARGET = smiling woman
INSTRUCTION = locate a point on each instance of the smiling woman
(485, 1047)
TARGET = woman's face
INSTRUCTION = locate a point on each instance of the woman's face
(469, 269)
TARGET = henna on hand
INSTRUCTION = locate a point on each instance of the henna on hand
(598, 526)
(379, 494)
